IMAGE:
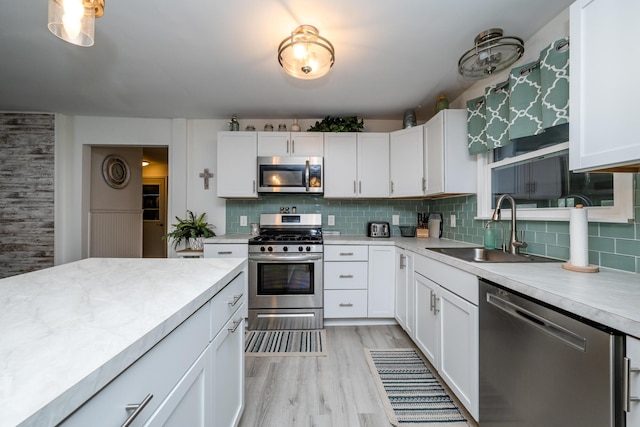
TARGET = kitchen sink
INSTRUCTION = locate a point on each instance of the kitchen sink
(490, 255)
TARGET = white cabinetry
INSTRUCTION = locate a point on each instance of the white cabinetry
(406, 148)
(345, 281)
(359, 281)
(176, 383)
(226, 250)
(633, 355)
(603, 124)
(448, 166)
(356, 165)
(381, 290)
(404, 301)
(446, 330)
(286, 144)
(236, 164)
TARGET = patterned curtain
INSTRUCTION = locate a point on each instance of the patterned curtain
(535, 98)
(476, 125)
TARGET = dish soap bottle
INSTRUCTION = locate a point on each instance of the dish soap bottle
(489, 236)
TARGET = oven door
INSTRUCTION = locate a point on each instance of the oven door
(285, 281)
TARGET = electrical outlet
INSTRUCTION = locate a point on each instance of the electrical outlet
(395, 219)
(452, 221)
(331, 220)
(243, 221)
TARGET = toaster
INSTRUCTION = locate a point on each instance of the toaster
(378, 229)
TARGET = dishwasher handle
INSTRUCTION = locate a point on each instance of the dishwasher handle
(566, 336)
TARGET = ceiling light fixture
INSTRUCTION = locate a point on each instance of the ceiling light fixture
(74, 20)
(491, 54)
(305, 54)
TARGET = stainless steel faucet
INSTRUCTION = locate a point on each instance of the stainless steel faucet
(514, 243)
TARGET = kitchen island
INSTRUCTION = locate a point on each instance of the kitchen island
(68, 331)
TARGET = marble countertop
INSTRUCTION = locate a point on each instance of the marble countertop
(610, 297)
(67, 331)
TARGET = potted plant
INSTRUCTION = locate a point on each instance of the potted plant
(190, 230)
(338, 124)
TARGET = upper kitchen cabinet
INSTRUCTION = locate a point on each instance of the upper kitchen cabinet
(286, 144)
(406, 162)
(237, 167)
(357, 165)
(449, 169)
(603, 91)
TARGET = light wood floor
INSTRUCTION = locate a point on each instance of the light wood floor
(336, 390)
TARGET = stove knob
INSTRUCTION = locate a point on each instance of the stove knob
(261, 248)
(300, 248)
(270, 249)
(285, 249)
(308, 248)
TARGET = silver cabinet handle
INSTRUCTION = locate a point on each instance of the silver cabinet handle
(236, 324)
(136, 408)
(424, 184)
(235, 300)
(431, 300)
(346, 253)
(346, 276)
(225, 252)
(391, 187)
(254, 185)
(434, 303)
(293, 146)
(346, 304)
(360, 187)
(403, 261)
(626, 387)
(354, 188)
(287, 146)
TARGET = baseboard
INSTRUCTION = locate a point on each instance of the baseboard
(359, 322)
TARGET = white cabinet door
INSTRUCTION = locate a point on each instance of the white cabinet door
(237, 164)
(459, 351)
(381, 295)
(286, 144)
(407, 162)
(188, 402)
(602, 101)
(373, 165)
(633, 354)
(411, 295)
(401, 288)
(227, 373)
(427, 332)
(340, 162)
(226, 250)
(448, 166)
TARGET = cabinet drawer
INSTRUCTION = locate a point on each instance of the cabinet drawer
(155, 373)
(457, 281)
(346, 252)
(226, 302)
(345, 275)
(345, 303)
(225, 250)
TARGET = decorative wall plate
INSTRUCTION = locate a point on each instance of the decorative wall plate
(116, 171)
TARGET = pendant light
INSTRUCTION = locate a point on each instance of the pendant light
(305, 54)
(74, 20)
(492, 53)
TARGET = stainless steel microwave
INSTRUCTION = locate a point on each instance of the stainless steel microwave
(290, 175)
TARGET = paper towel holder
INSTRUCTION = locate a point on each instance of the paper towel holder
(581, 269)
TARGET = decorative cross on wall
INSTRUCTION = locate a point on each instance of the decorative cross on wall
(206, 175)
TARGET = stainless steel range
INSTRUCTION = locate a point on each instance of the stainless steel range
(285, 273)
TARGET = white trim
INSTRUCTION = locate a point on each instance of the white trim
(621, 212)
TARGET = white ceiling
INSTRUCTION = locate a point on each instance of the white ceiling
(211, 59)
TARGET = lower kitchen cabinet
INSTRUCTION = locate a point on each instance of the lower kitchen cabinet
(381, 295)
(359, 281)
(447, 325)
(192, 377)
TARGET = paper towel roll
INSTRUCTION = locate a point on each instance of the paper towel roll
(578, 237)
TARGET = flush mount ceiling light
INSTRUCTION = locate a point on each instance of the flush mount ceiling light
(74, 20)
(491, 54)
(306, 55)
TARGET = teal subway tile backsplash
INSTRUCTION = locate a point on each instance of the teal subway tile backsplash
(610, 245)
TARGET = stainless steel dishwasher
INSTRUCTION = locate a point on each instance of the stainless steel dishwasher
(543, 368)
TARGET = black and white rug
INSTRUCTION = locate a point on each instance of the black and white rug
(412, 394)
(285, 343)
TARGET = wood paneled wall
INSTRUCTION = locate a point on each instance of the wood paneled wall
(26, 192)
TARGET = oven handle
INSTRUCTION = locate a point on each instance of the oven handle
(306, 176)
(276, 257)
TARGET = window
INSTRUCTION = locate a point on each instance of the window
(537, 176)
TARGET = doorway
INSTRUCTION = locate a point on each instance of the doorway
(154, 201)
